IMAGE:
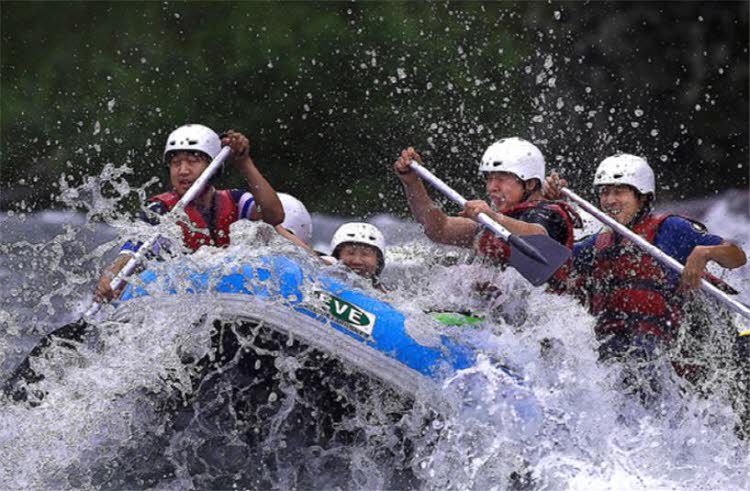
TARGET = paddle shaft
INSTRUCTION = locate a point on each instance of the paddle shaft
(657, 253)
(195, 189)
(485, 220)
(458, 199)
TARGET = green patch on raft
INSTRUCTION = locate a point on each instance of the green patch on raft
(455, 318)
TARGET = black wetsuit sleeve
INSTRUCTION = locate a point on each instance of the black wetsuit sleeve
(552, 222)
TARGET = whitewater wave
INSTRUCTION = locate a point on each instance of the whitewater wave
(133, 406)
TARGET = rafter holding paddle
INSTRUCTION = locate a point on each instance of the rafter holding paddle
(624, 272)
(535, 257)
(665, 259)
(76, 330)
(516, 226)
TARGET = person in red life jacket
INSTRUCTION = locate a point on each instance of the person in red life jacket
(188, 152)
(514, 172)
(638, 303)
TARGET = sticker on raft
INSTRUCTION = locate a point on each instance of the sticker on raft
(352, 317)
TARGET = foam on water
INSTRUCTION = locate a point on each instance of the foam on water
(537, 410)
(592, 435)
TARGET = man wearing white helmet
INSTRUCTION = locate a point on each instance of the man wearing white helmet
(514, 172)
(188, 152)
(637, 301)
(361, 247)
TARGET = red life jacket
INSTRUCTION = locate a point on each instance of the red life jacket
(489, 245)
(630, 290)
(197, 233)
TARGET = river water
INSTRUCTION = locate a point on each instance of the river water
(102, 423)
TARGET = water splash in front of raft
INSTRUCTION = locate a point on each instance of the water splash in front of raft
(179, 396)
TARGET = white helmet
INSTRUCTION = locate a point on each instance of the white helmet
(626, 169)
(359, 233)
(516, 156)
(193, 137)
(296, 217)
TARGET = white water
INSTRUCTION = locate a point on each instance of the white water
(101, 420)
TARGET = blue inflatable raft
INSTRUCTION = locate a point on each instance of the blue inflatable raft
(321, 311)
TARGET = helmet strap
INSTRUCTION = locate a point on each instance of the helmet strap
(645, 209)
(526, 191)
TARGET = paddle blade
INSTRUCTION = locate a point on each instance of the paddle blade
(555, 255)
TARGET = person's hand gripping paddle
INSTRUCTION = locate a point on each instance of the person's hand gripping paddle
(665, 259)
(535, 257)
(71, 333)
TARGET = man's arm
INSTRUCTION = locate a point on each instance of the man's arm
(150, 214)
(726, 254)
(103, 291)
(472, 209)
(265, 196)
(690, 243)
(293, 239)
(437, 225)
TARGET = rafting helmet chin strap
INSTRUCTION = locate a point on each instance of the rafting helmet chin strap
(526, 192)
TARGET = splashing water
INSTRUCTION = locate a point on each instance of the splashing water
(176, 396)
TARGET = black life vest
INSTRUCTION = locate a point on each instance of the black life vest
(489, 245)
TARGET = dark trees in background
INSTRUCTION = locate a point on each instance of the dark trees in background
(330, 92)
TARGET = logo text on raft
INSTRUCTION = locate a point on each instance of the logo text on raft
(353, 316)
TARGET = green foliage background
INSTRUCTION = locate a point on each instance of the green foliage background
(330, 92)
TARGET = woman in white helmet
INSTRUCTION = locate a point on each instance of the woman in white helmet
(188, 152)
(637, 301)
(514, 171)
(361, 247)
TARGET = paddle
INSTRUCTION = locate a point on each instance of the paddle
(661, 256)
(535, 257)
(76, 330)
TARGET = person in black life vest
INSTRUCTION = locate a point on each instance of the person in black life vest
(638, 303)
(514, 172)
(188, 152)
